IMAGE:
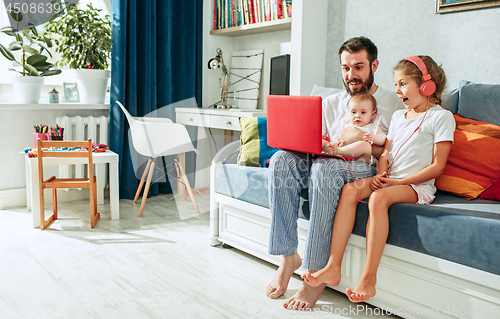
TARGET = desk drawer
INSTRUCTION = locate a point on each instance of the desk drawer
(225, 122)
(192, 119)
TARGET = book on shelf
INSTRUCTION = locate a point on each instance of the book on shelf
(279, 9)
(233, 13)
(288, 8)
(267, 11)
(245, 8)
(259, 11)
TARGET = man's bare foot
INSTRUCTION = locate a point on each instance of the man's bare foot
(279, 283)
(305, 298)
(327, 275)
(365, 289)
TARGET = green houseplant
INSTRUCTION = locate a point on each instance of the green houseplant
(32, 48)
(85, 45)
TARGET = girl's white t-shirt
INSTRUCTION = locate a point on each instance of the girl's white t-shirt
(416, 154)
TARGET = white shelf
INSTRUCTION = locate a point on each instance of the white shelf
(253, 28)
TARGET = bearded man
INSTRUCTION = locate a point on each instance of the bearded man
(290, 172)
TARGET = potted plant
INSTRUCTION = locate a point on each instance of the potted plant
(32, 63)
(85, 45)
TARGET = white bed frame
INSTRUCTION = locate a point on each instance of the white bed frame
(410, 284)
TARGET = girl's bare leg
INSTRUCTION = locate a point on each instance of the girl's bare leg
(376, 236)
(342, 229)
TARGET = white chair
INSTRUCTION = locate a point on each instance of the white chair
(156, 137)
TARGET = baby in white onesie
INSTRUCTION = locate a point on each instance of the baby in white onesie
(362, 111)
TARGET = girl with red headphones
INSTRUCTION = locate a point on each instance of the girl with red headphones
(415, 153)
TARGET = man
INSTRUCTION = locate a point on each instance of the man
(289, 172)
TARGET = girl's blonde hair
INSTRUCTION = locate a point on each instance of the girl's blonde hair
(435, 71)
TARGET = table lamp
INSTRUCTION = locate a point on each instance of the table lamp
(218, 63)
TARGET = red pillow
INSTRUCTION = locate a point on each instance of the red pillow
(493, 192)
(473, 164)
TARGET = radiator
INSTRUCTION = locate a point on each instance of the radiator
(79, 128)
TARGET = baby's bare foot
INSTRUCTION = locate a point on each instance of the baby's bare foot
(279, 283)
(335, 148)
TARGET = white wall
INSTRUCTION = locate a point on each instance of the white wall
(466, 43)
(270, 43)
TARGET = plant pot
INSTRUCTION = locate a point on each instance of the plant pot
(92, 85)
(27, 88)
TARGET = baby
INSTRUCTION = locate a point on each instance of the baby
(362, 111)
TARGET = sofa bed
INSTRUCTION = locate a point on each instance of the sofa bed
(441, 260)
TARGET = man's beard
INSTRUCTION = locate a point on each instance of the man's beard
(364, 87)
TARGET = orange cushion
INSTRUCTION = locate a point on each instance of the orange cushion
(473, 164)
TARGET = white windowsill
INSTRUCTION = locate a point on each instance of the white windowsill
(8, 101)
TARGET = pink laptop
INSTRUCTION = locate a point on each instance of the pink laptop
(294, 123)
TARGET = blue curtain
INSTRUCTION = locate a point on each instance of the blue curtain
(156, 61)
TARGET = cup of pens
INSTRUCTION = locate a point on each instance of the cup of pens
(56, 133)
(41, 132)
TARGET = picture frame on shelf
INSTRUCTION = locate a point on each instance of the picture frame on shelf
(70, 90)
(444, 6)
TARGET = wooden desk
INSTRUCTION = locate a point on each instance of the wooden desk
(224, 119)
(33, 194)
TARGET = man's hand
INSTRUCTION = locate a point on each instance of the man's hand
(349, 136)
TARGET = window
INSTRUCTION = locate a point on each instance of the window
(5, 74)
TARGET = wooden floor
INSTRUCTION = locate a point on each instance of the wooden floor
(157, 266)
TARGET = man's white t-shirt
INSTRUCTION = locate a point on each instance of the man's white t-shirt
(416, 154)
(335, 111)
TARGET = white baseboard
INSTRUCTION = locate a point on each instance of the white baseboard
(16, 197)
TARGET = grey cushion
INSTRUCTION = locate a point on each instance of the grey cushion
(245, 183)
(324, 91)
(451, 228)
(450, 100)
(234, 181)
(479, 101)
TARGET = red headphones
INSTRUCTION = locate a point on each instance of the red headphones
(428, 87)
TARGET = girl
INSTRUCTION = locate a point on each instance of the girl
(416, 151)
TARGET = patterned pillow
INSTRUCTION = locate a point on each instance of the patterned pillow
(254, 150)
(473, 164)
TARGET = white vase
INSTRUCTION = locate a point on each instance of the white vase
(92, 85)
(27, 88)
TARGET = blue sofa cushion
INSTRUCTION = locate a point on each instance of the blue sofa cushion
(246, 183)
(452, 228)
(249, 184)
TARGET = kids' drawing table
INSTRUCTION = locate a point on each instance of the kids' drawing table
(99, 159)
